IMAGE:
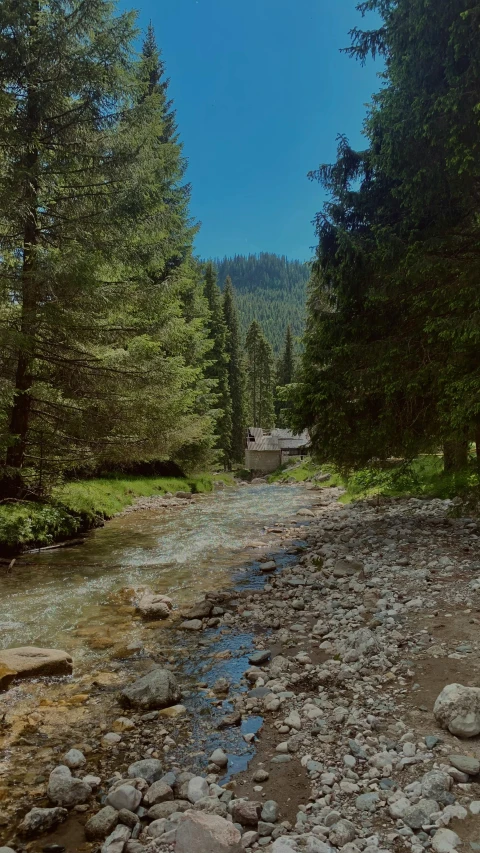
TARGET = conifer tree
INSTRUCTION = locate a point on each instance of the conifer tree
(101, 328)
(218, 369)
(286, 362)
(285, 378)
(260, 379)
(236, 371)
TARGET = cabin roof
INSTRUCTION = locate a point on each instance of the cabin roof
(260, 440)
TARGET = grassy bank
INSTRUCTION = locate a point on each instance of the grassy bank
(81, 505)
(424, 477)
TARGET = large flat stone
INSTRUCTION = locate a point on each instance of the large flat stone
(204, 833)
(31, 662)
(156, 689)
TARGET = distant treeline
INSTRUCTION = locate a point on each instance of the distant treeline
(270, 289)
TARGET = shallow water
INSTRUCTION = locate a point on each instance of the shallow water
(52, 599)
(71, 599)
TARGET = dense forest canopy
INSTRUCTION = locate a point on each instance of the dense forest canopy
(270, 289)
(392, 364)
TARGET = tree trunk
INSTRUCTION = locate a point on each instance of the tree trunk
(13, 485)
(455, 455)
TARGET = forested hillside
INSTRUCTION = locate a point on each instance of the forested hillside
(270, 289)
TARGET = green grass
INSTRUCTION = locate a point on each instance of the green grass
(303, 471)
(79, 505)
(424, 477)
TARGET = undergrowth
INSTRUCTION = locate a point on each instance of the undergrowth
(424, 477)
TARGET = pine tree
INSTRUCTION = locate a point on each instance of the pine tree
(101, 325)
(236, 371)
(286, 362)
(285, 378)
(391, 365)
(218, 369)
(260, 379)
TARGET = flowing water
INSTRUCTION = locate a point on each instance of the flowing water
(51, 599)
(72, 599)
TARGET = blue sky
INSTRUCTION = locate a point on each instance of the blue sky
(261, 92)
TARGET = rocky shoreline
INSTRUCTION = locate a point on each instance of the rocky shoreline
(355, 639)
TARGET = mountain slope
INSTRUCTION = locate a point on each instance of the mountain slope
(270, 289)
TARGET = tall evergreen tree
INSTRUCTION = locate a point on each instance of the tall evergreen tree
(260, 377)
(392, 366)
(218, 369)
(286, 362)
(285, 378)
(95, 263)
(236, 371)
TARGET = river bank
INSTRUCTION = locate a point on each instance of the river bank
(76, 507)
(357, 634)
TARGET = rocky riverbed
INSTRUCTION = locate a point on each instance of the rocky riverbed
(329, 664)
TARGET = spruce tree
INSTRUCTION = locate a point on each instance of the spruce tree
(285, 378)
(218, 369)
(286, 362)
(236, 371)
(260, 379)
(391, 365)
(102, 332)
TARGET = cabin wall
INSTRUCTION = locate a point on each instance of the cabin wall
(265, 461)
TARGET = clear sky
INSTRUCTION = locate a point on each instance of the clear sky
(261, 92)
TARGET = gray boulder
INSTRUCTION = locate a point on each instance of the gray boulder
(116, 841)
(159, 792)
(156, 689)
(164, 810)
(74, 759)
(205, 833)
(41, 820)
(125, 797)
(197, 789)
(458, 709)
(417, 816)
(245, 812)
(101, 824)
(152, 605)
(150, 769)
(64, 790)
(466, 764)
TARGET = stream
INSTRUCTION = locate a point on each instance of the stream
(74, 599)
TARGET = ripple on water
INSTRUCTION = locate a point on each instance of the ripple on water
(182, 553)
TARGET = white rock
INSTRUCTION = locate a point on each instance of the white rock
(458, 709)
(74, 759)
(453, 811)
(219, 758)
(444, 841)
(125, 797)
(203, 833)
(64, 790)
(115, 842)
(294, 720)
(197, 789)
(156, 828)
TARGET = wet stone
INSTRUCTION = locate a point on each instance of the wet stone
(259, 657)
